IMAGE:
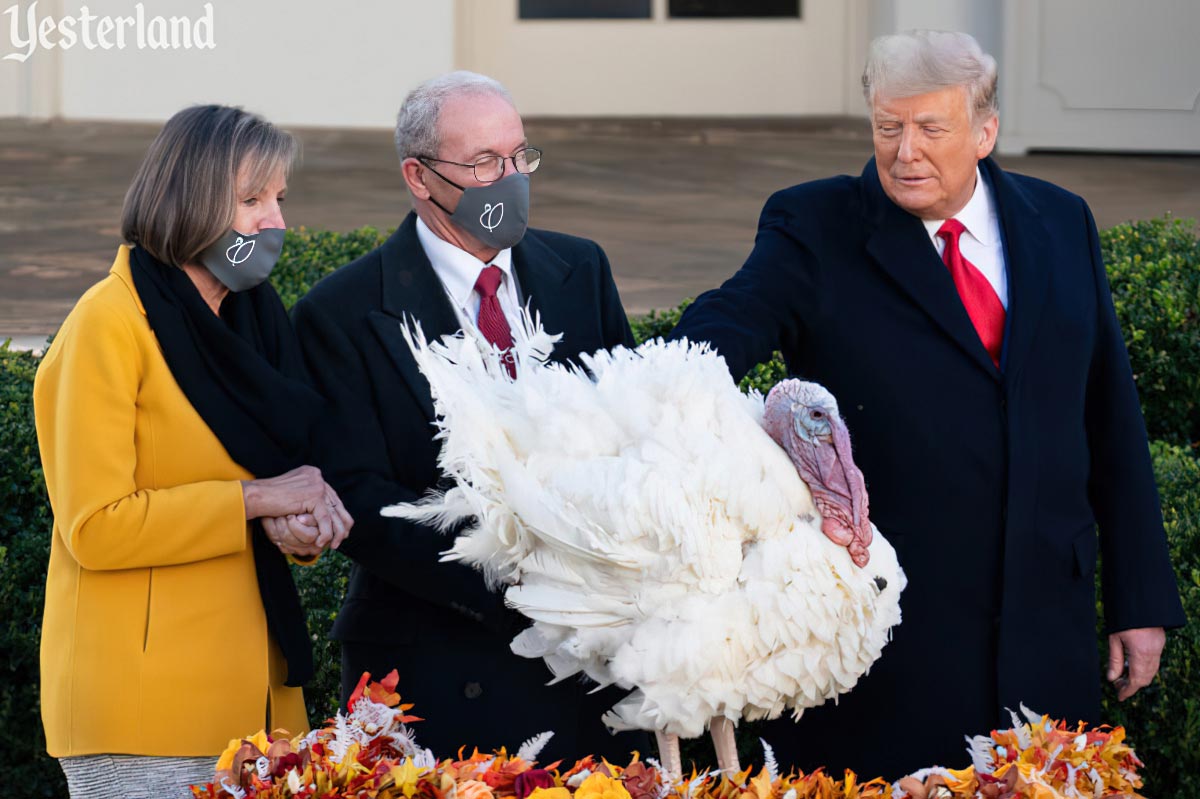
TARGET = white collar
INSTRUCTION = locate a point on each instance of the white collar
(456, 268)
(977, 215)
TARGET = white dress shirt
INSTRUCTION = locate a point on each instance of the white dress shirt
(980, 243)
(458, 270)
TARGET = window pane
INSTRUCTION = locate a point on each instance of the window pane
(584, 9)
(734, 8)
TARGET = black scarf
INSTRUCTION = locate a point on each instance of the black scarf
(244, 375)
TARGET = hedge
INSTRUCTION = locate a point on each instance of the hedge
(24, 552)
(1154, 270)
(1163, 719)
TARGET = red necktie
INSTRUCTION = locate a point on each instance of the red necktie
(491, 320)
(978, 296)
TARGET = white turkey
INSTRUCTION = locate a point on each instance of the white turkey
(664, 532)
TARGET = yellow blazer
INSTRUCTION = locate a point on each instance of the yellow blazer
(154, 640)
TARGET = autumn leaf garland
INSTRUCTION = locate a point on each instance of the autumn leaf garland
(368, 751)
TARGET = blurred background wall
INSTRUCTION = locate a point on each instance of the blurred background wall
(1075, 74)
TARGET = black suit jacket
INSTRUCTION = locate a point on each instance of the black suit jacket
(990, 483)
(445, 631)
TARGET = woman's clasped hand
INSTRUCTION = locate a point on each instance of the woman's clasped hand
(300, 513)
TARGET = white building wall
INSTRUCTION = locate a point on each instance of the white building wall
(11, 87)
(1101, 75)
(33, 87)
(1092, 74)
(662, 66)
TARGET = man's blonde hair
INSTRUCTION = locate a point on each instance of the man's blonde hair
(920, 61)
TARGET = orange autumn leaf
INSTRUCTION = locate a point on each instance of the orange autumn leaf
(382, 692)
(503, 773)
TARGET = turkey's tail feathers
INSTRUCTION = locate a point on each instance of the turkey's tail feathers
(565, 607)
(531, 345)
(476, 397)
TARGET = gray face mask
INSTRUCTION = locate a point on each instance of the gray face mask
(241, 261)
(496, 214)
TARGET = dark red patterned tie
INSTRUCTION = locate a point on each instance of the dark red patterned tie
(491, 320)
(978, 296)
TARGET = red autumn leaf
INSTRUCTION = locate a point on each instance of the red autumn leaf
(527, 781)
(383, 692)
(358, 690)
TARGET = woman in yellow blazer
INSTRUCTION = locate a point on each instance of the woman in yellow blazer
(173, 420)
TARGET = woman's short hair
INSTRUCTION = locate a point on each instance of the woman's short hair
(185, 193)
(416, 124)
(920, 61)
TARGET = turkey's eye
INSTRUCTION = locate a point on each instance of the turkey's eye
(817, 415)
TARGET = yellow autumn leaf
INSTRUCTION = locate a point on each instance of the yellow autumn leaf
(260, 740)
(963, 780)
(761, 785)
(550, 793)
(406, 776)
(599, 786)
(225, 761)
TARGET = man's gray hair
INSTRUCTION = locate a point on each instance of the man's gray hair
(916, 62)
(416, 124)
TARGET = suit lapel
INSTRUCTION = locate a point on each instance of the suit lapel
(1024, 237)
(410, 291)
(901, 247)
(542, 276)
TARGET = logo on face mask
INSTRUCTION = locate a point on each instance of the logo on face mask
(236, 260)
(481, 210)
(240, 252)
(488, 218)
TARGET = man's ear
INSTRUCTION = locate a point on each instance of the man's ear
(414, 177)
(987, 136)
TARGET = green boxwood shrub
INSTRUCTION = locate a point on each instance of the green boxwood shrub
(322, 587)
(1154, 268)
(24, 552)
(1163, 719)
(1154, 271)
(308, 255)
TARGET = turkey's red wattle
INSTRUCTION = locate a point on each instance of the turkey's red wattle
(837, 485)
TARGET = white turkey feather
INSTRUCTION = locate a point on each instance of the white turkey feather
(658, 538)
(530, 750)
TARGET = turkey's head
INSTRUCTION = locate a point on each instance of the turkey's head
(803, 418)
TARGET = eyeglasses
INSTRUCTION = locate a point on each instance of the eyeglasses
(490, 168)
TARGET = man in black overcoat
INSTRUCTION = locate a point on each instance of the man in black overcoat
(464, 255)
(962, 318)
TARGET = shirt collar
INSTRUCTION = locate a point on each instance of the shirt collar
(456, 268)
(976, 215)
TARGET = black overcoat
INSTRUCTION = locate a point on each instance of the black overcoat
(436, 622)
(991, 483)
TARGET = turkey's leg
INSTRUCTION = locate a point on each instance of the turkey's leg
(724, 742)
(668, 753)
